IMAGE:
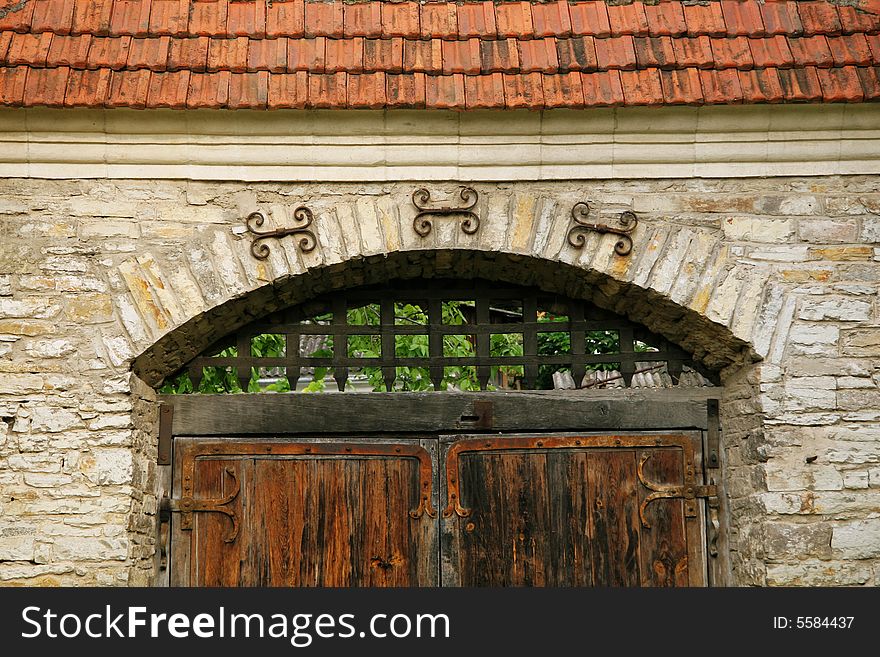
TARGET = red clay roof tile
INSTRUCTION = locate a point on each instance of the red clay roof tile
(400, 19)
(90, 17)
(854, 20)
(52, 16)
(327, 90)
(666, 19)
(484, 91)
(761, 86)
(228, 55)
(69, 51)
(246, 19)
(207, 19)
(87, 88)
(461, 56)
(525, 91)
(681, 87)
(628, 19)
(323, 19)
(12, 83)
(800, 84)
(841, 85)
(366, 91)
(129, 89)
(405, 90)
(577, 54)
(130, 17)
(249, 90)
(742, 18)
(267, 55)
(694, 52)
(438, 20)
(189, 53)
(851, 50)
(307, 54)
(109, 52)
(732, 53)
(602, 89)
(5, 40)
(168, 89)
(18, 17)
(551, 19)
(538, 55)
(819, 17)
(811, 51)
(589, 18)
(705, 19)
(870, 77)
(772, 51)
(363, 19)
(288, 91)
(29, 49)
(874, 44)
(445, 91)
(169, 17)
(208, 90)
(383, 55)
(616, 52)
(476, 19)
(423, 56)
(781, 18)
(514, 19)
(654, 52)
(149, 53)
(345, 55)
(642, 87)
(721, 87)
(499, 55)
(563, 90)
(285, 18)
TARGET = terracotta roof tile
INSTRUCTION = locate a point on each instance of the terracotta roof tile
(705, 19)
(514, 19)
(721, 87)
(642, 87)
(461, 56)
(654, 52)
(323, 19)
(69, 51)
(363, 19)
(168, 89)
(811, 51)
(602, 89)
(590, 18)
(307, 54)
(694, 52)
(761, 86)
(327, 90)
(29, 49)
(208, 90)
(742, 18)
(12, 83)
(52, 16)
(850, 50)
(400, 19)
(870, 77)
(476, 19)
(616, 52)
(149, 53)
(228, 54)
(484, 91)
(285, 18)
(249, 90)
(800, 84)
(499, 55)
(129, 89)
(773, 51)
(732, 53)
(874, 44)
(551, 19)
(781, 18)
(246, 19)
(681, 87)
(87, 88)
(130, 17)
(538, 55)
(523, 91)
(5, 40)
(405, 90)
(423, 56)
(383, 55)
(18, 17)
(288, 91)
(189, 53)
(577, 54)
(628, 19)
(841, 85)
(854, 20)
(268, 55)
(366, 90)
(345, 55)
(207, 19)
(445, 91)
(666, 19)
(109, 52)
(169, 17)
(819, 17)
(438, 20)
(563, 90)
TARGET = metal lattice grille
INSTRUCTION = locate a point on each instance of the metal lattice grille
(445, 333)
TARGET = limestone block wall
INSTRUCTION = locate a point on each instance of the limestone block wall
(774, 279)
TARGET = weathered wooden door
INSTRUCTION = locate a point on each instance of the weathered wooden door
(515, 510)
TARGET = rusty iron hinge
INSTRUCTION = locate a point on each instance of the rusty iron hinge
(187, 505)
(166, 422)
(713, 434)
(423, 224)
(688, 491)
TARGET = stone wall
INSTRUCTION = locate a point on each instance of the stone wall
(98, 276)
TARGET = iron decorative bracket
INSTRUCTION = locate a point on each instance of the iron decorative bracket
(581, 212)
(422, 222)
(688, 491)
(187, 505)
(307, 241)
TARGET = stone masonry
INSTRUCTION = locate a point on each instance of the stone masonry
(774, 280)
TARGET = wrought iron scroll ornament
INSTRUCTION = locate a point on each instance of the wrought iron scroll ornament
(423, 224)
(255, 221)
(581, 212)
